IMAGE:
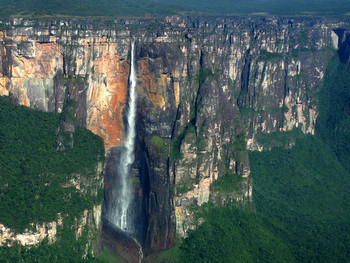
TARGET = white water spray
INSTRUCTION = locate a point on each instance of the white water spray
(127, 154)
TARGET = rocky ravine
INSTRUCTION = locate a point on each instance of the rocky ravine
(206, 87)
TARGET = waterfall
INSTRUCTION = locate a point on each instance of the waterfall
(121, 214)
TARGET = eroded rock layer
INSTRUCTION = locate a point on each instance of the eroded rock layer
(207, 86)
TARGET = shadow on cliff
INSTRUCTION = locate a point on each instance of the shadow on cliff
(343, 44)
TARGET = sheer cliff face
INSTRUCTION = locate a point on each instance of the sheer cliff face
(206, 86)
(45, 63)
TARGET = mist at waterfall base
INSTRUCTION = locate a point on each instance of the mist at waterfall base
(119, 212)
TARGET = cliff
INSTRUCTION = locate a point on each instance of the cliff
(207, 88)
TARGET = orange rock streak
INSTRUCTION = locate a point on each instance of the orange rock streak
(108, 89)
(155, 87)
(107, 74)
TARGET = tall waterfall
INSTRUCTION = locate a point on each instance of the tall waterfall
(127, 154)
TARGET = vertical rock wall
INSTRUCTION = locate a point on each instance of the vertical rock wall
(206, 86)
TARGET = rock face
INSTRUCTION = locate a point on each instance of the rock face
(44, 63)
(45, 230)
(206, 87)
(89, 219)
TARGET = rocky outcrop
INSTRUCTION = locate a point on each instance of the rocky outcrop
(206, 87)
(30, 237)
(90, 219)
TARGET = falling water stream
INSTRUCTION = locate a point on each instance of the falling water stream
(120, 212)
(127, 155)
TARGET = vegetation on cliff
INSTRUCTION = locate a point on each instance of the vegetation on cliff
(66, 250)
(33, 172)
(300, 191)
(234, 235)
(37, 178)
(334, 121)
(231, 234)
(305, 188)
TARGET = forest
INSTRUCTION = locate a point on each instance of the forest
(305, 188)
(107, 8)
(34, 176)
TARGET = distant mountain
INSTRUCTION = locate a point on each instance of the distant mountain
(84, 8)
(277, 7)
(107, 8)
